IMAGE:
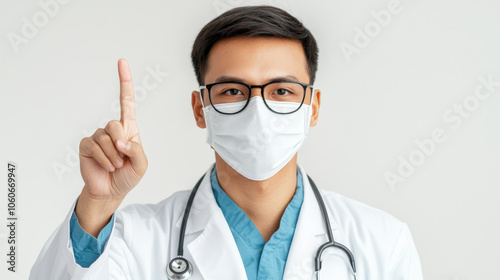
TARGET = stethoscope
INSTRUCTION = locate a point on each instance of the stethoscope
(179, 268)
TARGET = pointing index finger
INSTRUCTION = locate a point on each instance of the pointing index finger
(127, 98)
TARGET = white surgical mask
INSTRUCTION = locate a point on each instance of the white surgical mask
(257, 142)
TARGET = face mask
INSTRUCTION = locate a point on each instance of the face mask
(257, 142)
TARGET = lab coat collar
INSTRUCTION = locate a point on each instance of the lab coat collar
(204, 205)
(214, 250)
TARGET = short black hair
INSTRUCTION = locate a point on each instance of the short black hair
(253, 21)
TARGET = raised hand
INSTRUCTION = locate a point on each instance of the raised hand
(112, 161)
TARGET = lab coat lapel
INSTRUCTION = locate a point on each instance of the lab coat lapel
(310, 233)
(214, 251)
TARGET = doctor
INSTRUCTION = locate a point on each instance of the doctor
(254, 214)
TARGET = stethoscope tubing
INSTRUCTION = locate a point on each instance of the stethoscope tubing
(317, 260)
(331, 242)
(180, 250)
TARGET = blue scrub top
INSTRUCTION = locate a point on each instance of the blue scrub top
(261, 260)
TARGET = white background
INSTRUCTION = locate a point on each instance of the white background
(61, 84)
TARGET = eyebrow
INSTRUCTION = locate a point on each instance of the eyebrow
(226, 78)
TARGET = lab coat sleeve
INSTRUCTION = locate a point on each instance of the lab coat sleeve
(404, 263)
(57, 261)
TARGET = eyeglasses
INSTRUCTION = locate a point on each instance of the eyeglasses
(282, 97)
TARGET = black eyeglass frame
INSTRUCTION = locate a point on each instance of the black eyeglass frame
(209, 86)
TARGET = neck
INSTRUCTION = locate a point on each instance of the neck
(263, 201)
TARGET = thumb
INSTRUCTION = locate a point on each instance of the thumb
(136, 154)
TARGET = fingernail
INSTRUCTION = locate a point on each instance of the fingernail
(118, 163)
(122, 144)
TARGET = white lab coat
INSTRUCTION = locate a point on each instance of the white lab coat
(144, 239)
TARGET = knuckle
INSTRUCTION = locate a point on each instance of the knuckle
(103, 138)
(94, 149)
(83, 141)
(98, 131)
(112, 125)
(83, 145)
(128, 96)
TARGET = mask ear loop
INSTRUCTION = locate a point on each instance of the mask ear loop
(312, 97)
(205, 116)
(201, 97)
(309, 114)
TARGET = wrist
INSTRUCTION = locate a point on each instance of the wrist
(94, 213)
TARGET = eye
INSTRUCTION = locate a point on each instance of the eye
(282, 91)
(233, 91)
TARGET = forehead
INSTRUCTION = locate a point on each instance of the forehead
(256, 59)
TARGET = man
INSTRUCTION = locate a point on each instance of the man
(255, 214)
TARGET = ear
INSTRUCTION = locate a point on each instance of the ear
(196, 103)
(316, 102)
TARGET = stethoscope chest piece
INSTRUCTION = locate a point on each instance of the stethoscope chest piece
(179, 269)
